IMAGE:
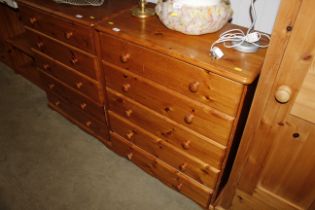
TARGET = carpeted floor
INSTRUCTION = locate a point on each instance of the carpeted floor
(48, 163)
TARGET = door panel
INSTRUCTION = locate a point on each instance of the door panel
(290, 171)
(275, 164)
(304, 106)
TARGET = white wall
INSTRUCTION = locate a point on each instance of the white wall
(266, 13)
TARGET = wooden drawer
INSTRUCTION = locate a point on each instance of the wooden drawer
(86, 86)
(207, 121)
(71, 96)
(88, 73)
(61, 29)
(69, 56)
(165, 173)
(89, 124)
(193, 167)
(208, 88)
(175, 134)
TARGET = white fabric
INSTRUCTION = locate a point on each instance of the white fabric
(82, 2)
(198, 3)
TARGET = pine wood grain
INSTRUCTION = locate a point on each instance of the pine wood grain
(173, 74)
(193, 167)
(161, 170)
(273, 151)
(199, 146)
(205, 120)
(150, 33)
(304, 106)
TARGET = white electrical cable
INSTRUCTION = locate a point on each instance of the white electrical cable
(239, 37)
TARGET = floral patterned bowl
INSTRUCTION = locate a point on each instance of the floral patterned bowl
(194, 17)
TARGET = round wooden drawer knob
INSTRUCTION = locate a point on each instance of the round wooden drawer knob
(130, 134)
(189, 118)
(74, 60)
(46, 66)
(40, 45)
(129, 156)
(206, 168)
(194, 86)
(126, 87)
(83, 106)
(183, 166)
(179, 186)
(186, 145)
(124, 58)
(168, 133)
(128, 112)
(79, 85)
(158, 141)
(33, 20)
(88, 123)
(283, 94)
(51, 86)
(68, 35)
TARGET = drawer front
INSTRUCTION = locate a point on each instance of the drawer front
(207, 121)
(198, 170)
(175, 134)
(65, 54)
(71, 96)
(89, 72)
(86, 86)
(165, 173)
(210, 89)
(77, 116)
(61, 29)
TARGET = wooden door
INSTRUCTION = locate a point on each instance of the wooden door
(275, 165)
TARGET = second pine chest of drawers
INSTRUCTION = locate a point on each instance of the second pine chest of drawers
(65, 48)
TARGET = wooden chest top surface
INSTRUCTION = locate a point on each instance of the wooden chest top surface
(91, 15)
(151, 33)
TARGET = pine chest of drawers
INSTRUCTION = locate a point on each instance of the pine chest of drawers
(65, 48)
(173, 110)
(150, 94)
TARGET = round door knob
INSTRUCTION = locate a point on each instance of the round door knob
(283, 94)
(126, 87)
(68, 35)
(125, 57)
(194, 86)
(189, 118)
(33, 20)
(128, 112)
(83, 105)
(186, 145)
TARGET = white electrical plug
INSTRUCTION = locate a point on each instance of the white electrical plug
(252, 37)
(216, 52)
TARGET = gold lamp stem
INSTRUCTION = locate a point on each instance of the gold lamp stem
(142, 11)
(142, 5)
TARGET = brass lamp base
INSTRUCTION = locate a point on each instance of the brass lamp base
(142, 13)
